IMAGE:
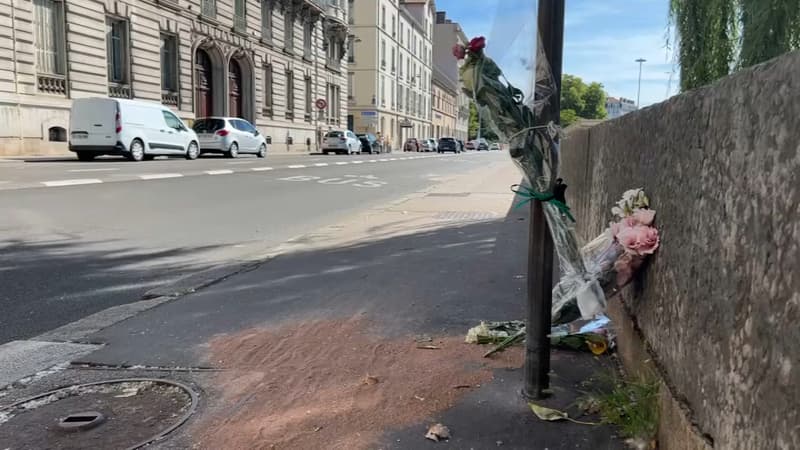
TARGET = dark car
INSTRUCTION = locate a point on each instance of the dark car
(482, 145)
(460, 144)
(447, 144)
(412, 145)
(370, 143)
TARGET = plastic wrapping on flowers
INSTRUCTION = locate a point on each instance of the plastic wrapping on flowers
(588, 274)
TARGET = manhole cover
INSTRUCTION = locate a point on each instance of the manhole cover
(114, 414)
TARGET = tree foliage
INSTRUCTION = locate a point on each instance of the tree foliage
(472, 133)
(579, 100)
(716, 37)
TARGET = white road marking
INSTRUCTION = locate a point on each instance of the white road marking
(392, 159)
(358, 162)
(260, 169)
(373, 160)
(297, 166)
(321, 164)
(160, 176)
(218, 172)
(383, 160)
(71, 182)
(342, 163)
(106, 169)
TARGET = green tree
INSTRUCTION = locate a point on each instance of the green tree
(472, 133)
(579, 100)
(711, 33)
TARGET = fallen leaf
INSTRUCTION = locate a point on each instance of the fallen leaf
(545, 413)
(436, 432)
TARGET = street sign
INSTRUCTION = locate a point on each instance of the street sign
(321, 103)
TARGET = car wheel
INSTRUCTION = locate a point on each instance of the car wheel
(86, 156)
(262, 151)
(136, 152)
(193, 151)
(233, 151)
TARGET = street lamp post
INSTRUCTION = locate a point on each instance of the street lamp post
(639, 92)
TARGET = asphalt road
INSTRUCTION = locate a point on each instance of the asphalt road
(77, 238)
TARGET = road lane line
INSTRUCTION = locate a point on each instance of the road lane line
(107, 169)
(218, 172)
(159, 176)
(76, 182)
(342, 163)
(358, 162)
(373, 160)
(321, 164)
(297, 166)
(260, 169)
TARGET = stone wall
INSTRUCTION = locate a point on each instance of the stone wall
(719, 304)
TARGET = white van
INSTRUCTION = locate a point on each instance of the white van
(136, 129)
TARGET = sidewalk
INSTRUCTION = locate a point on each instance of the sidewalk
(319, 346)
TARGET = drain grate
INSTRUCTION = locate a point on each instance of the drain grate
(81, 421)
(465, 215)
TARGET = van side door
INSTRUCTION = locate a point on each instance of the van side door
(176, 136)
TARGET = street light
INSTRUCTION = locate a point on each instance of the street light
(639, 94)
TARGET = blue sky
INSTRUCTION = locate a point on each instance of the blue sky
(602, 40)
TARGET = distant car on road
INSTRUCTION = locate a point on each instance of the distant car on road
(370, 143)
(230, 136)
(429, 145)
(460, 145)
(411, 145)
(448, 144)
(135, 129)
(470, 145)
(341, 142)
(494, 146)
(481, 144)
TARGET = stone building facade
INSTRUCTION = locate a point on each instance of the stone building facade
(199, 57)
(445, 106)
(446, 35)
(390, 68)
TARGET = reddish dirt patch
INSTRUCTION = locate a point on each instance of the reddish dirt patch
(330, 384)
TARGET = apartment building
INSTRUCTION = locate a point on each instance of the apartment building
(445, 106)
(390, 68)
(267, 61)
(447, 34)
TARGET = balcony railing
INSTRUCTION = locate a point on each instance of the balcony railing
(52, 84)
(119, 91)
(169, 98)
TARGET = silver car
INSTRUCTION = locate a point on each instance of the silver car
(229, 136)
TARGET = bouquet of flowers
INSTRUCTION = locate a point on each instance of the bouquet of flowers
(590, 273)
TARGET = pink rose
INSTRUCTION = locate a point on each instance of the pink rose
(459, 51)
(627, 222)
(644, 216)
(639, 240)
(628, 238)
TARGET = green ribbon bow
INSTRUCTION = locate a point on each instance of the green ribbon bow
(530, 194)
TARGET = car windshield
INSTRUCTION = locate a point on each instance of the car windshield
(335, 134)
(447, 140)
(208, 125)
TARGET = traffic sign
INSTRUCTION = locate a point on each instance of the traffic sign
(321, 103)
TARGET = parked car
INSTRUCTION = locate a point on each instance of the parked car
(135, 129)
(494, 146)
(448, 144)
(341, 142)
(460, 145)
(470, 145)
(429, 145)
(230, 136)
(412, 145)
(370, 143)
(481, 144)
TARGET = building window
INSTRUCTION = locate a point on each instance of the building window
(350, 86)
(383, 90)
(383, 17)
(266, 20)
(208, 8)
(383, 54)
(400, 73)
(402, 29)
(288, 32)
(48, 16)
(268, 91)
(334, 104)
(289, 94)
(309, 98)
(240, 16)
(394, 26)
(118, 58)
(392, 97)
(307, 39)
(350, 12)
(169, 69)
(351, 49)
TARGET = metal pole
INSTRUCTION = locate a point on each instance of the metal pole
(639, 93)
(540, 244)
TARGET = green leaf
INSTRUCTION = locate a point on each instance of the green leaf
(546, 413)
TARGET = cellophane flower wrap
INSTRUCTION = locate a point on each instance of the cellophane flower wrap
(590, 273)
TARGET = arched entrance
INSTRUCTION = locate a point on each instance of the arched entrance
(235, 88)
(204, 84)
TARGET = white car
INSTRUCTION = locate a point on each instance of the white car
(230, 136)
(135, 129)
(429, 145)
(494, 146)
(341, 142)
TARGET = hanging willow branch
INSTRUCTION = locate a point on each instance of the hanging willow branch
(715, 37)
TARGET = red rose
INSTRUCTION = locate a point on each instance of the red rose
(477, 44)
(459, 51)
